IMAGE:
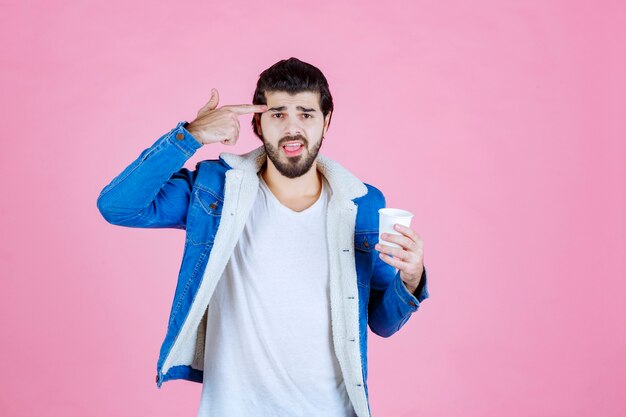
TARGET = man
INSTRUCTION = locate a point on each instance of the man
(282, 271)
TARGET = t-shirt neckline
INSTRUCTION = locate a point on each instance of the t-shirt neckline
(284, 207)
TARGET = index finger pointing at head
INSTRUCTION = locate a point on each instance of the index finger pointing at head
(247, 108)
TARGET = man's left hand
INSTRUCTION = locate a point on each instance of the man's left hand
(409, 258)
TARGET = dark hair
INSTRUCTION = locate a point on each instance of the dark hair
(292, 76)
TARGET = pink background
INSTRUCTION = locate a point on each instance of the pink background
(500, 124)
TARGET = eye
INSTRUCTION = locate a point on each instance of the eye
(306, 115)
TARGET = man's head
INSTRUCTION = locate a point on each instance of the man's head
(299, 110)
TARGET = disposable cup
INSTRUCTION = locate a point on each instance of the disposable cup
(387, 218)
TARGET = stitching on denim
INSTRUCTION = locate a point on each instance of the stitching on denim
(188, 283)
(208, 190)
(176, 143)
(193, 242)
(208, 210)
(359, 237)
(357, 232)
(404, 296)
(204, 253)
(404, 319)
(190, 215)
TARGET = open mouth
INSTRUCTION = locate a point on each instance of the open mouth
(293, 148)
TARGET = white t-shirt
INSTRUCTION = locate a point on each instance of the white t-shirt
(269, 350)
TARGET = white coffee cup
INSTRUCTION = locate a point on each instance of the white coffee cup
(387, 218)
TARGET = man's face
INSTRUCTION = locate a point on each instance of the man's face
(290, 119)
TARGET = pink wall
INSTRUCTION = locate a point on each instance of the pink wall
(498, 123)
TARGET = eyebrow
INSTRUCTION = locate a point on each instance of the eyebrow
(281, 108)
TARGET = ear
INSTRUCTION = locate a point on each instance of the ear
(326, 121)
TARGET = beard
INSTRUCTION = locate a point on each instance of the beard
(294, 166)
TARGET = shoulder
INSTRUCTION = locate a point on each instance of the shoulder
(367, 208)
(211, 175)
(212, 167)
(374, 197)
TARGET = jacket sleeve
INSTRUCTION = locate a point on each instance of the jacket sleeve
(154, 190)
(391, 304)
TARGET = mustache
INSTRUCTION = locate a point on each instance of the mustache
(286, 139)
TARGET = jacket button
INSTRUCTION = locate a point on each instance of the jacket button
(412, 303)
(366, 244)
(157, 378)
(180, 136)
(212, 205)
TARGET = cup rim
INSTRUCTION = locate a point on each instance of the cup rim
(394, 212)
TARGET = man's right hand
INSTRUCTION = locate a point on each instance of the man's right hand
(220, 125)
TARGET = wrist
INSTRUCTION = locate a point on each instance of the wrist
(411, 287)
(189, 127)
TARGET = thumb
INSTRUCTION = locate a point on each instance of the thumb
(212, 104)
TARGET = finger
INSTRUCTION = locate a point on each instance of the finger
(407, 231)
(395, 262)
(398, 253)
(212, 103)
(405, 242)
(240, 109)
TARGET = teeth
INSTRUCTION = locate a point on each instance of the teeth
(295, 146)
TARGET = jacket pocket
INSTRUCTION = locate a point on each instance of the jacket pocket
(204, 216)
(364, 242)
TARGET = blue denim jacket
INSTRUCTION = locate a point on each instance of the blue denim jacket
(211, 203)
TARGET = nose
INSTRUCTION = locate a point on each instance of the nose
(293, 127)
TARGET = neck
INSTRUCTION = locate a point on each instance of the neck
(308, 185)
